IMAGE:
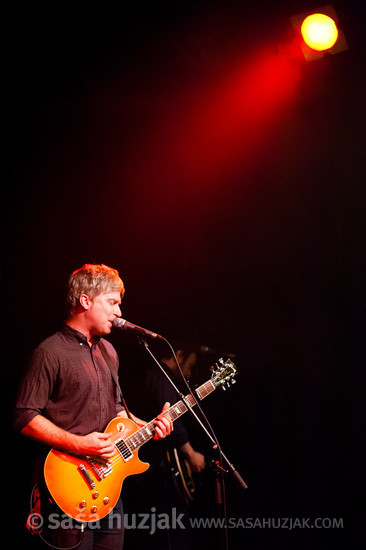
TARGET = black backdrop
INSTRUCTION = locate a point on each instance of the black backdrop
(263, 257)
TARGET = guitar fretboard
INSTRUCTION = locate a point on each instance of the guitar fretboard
(144, 434)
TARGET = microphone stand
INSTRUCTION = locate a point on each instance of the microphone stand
(219, 481)
(220, 499)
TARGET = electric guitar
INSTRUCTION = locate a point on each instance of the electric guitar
(182, 475)
(86, 488)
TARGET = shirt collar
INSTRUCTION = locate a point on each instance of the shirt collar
(79, 336)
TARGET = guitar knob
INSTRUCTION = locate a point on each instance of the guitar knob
(106, 500)
(95, 495)
(94, 509)
(82, 504)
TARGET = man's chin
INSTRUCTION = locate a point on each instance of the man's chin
(103, 332)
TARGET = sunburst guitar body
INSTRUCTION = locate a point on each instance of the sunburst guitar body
(87, 488)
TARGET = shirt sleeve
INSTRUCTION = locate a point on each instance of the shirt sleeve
(35, 388)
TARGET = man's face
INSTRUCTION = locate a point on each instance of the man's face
(102, 311)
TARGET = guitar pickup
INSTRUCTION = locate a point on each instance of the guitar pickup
(84, 472)
(123, 449)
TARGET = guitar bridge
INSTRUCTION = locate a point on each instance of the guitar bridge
(100, 470)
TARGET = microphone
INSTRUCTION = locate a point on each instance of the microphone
(118, 322)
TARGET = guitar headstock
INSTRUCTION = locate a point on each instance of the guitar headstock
(223, 373)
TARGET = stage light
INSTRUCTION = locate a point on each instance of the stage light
(319, 32)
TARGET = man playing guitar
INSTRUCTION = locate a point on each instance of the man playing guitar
(71, 392)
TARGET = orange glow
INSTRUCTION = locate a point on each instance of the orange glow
(319, 32)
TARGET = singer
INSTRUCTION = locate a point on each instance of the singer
(71, 391)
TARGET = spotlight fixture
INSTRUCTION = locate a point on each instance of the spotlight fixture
(319, 32)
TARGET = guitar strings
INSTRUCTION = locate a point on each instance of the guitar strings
(115, 459)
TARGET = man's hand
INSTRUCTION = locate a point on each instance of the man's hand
(97, 444)
(163, 426)
(196, 460)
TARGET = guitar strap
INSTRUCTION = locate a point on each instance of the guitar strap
(107, 359)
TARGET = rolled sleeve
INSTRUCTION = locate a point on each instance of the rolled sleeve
(35, 389)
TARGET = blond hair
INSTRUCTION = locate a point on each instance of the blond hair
(92, 280)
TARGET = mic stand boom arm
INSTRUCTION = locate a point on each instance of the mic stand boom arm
(214, 442)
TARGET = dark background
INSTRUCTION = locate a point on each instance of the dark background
(237, 225)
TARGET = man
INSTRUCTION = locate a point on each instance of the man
(161, 390)
(71, 392)
(163, 495)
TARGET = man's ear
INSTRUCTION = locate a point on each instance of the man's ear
(85, 301)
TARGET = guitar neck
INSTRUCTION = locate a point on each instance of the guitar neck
(147, 432)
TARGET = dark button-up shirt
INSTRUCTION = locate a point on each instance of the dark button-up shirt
(71, 384)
